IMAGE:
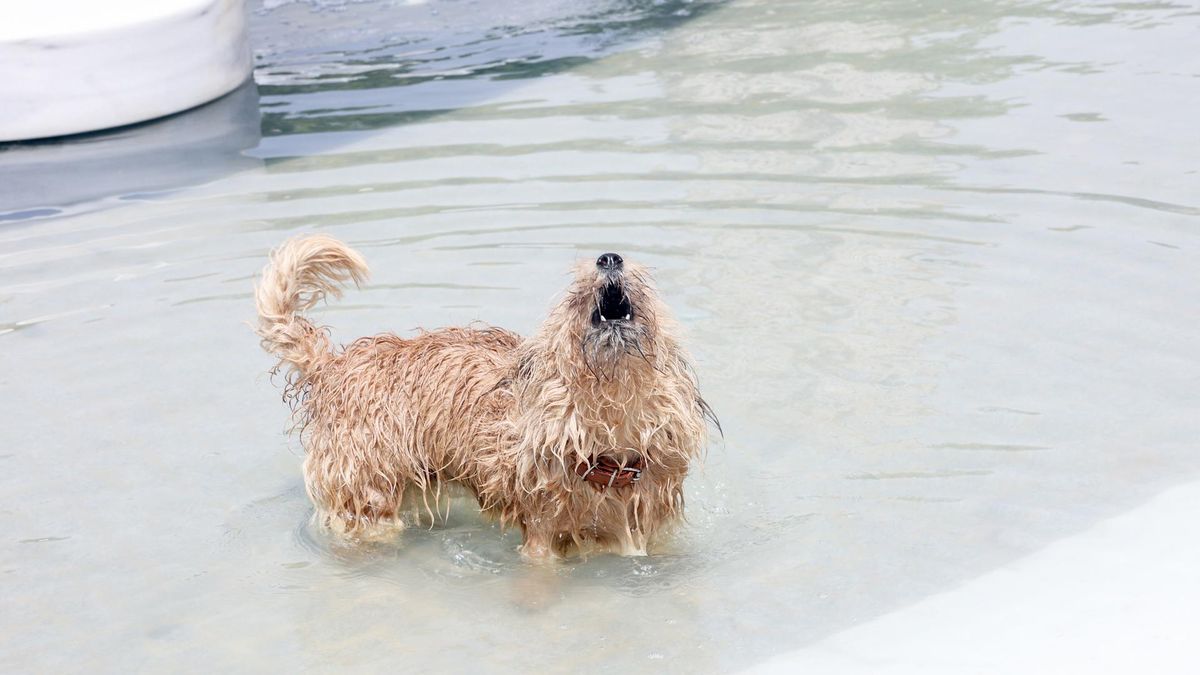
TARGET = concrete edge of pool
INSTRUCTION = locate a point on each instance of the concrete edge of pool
(71, 66)
(1102, 601)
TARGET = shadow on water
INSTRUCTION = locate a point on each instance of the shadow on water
(327, 67)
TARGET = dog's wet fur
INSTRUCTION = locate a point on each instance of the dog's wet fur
(508, 418)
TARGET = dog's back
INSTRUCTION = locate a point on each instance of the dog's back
(384, 412)
(387, 413)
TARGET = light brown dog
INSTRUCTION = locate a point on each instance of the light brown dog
(580, 435)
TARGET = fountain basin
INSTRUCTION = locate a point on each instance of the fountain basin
(72, 66)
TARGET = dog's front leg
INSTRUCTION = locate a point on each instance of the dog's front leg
(539, 546)
(631, 544)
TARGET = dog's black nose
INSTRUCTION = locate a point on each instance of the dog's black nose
(609, 261)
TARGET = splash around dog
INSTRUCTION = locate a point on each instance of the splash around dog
(580, 435)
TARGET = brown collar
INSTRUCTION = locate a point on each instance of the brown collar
(606, 473)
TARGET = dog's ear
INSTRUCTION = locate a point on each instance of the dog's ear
(706, 411)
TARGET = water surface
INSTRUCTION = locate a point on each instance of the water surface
(936, 263)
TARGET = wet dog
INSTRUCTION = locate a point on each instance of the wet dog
(581, 435)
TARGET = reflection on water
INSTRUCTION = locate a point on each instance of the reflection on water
(48, 177)
(339, 71)
(933, 262)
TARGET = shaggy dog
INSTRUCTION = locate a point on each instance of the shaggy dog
(580, 435)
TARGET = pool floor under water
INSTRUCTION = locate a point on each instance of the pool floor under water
(936, 265)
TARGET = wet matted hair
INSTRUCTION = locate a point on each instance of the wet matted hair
(519, 422)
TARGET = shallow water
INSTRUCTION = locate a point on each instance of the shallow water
(936, 264)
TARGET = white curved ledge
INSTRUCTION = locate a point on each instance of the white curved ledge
(70, 66)
(1121, 597)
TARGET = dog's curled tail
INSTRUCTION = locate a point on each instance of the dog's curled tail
(300, 273)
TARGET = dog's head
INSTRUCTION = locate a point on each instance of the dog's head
(621, 310)
(605, 377)
(615, 313)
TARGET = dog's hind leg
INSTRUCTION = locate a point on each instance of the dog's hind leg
(353, 505)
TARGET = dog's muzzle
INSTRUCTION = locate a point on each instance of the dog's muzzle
(612, 304)
(605, 472)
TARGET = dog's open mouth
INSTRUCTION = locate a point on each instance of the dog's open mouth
(612, 305)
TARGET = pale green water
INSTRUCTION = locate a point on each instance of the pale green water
(937, 265)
